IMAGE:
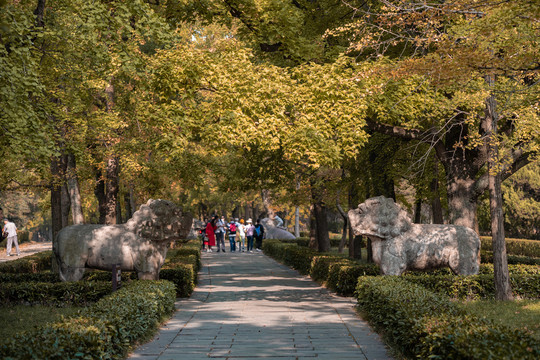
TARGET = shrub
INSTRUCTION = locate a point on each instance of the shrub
(77, 293)
(487, 258)
(183, 276)
(516, 269)
(29, 264)
(422, 324)
(476, 286)
(519, 247)
(299, 258)
(46, 276)
(343, 276)
(320, 265)
(276, 249)
(105, 330)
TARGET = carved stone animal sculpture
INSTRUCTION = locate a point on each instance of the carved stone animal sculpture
(273, 232)
(399, 245)
(139, 245)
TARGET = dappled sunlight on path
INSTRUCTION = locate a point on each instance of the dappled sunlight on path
(247, 306)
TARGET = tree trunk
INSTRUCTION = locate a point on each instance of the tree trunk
(345, 225)
(313, 241)
(132, 202)
(99, 191)
(297, 214)
(66, 205)
(56, 206)
(418, 211)
(320, 216)
(118, 212)
(353, 203)
(503, 291)
(297, 221)
(111, 190)
(74, 192)
(56, 198)
(357, 247)
(369, 249)
(436, 207)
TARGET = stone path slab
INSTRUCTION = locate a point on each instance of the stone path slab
(248, 306)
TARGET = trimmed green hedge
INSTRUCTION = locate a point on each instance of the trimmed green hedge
(28, 264)
(297, 257)
(517, 269)
(183, 276)
(320, 266)
(45, 276)
(487, 258)
(335, 271)
(422, 324)
(79, 293)
(343, 276)
(519, 247)
(476, 286)
(105, 330)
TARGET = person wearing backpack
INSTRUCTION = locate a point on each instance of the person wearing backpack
(232, 235)
(259, 233)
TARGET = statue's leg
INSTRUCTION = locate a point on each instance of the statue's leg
(392, 265)
(71, 273)
(148, 275)
(454, 264)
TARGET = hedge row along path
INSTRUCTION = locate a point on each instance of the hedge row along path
(27, 249)
(247, 306)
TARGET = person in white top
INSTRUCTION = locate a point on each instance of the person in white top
(250, 229)
(241, 234)
(220, 234)
(11, 230)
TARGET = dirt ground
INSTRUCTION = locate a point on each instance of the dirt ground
(27, 248)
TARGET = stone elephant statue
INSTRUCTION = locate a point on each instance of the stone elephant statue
(139, 245)
(399, 245)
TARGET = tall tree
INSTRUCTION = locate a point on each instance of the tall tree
(454, 46)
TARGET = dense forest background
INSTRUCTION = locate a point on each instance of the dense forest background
(256, 107)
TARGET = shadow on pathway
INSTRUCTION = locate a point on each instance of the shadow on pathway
(247, 306)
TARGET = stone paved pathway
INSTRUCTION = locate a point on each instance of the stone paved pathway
(247, 306)
(28, 248)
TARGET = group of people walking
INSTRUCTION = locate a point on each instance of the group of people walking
(241, 234)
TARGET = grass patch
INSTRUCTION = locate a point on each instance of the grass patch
(21, 317)
(519, 314)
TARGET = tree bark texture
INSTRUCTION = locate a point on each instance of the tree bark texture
(74, 191)
(111, 191)
(503, 291)
(313, 241)
(436, 207)
(320, 216)
(99, 191)
(345, 225)
(352, 199)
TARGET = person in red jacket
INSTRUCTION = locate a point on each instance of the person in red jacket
(210, 228)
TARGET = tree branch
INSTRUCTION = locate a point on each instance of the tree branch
(520, 159)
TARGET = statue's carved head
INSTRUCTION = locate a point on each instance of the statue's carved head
(380, 218)
(160, 220)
